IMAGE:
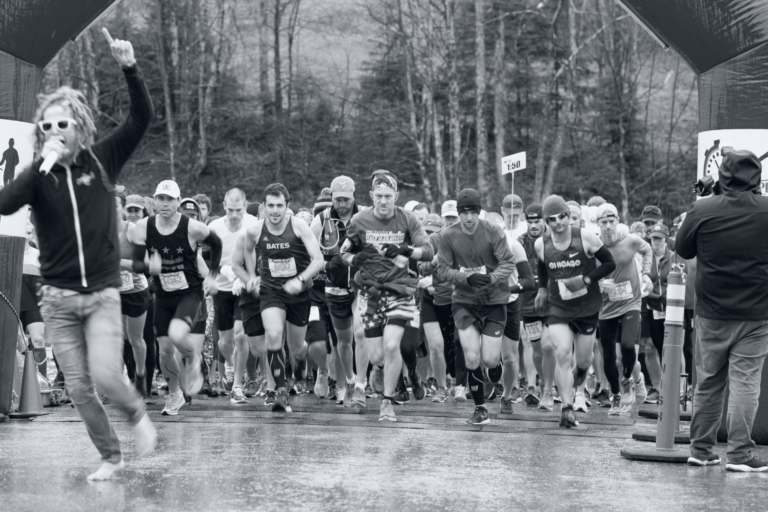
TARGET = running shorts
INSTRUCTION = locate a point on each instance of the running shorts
(134, 304)
(296, 307)
(339, 303)
(391, 309)
(512, 326)
(189, 307)
(489, 319)
(226, 306)
(250, 313)
(586, 325)
(534, 327)
(427, 309)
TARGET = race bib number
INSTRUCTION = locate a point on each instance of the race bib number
(620, 291)
(534, 330)
(314, 314)
(173, 281)
(126, 279)
(473, 270)
(659, 315)
(566, 294)
(282, 268)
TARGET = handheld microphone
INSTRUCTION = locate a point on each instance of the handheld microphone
(49, 161)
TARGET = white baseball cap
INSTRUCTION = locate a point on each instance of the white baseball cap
(168, 188)
(410, 205)
(449, 209)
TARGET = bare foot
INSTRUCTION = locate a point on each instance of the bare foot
(106, 471)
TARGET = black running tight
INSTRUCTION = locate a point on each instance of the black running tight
(624, 330)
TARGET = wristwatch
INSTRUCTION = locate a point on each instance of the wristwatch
(301, 278)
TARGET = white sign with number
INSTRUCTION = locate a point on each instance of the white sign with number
(513, 163)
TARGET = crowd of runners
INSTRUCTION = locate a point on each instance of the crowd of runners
(531, 306)
(544, 304)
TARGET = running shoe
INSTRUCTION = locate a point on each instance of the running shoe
(640, 392)
(263, 387)
(710, 459)
(522, 383)
(416, 385)
(227, 382)
(440, 396)
(754, 465)
(332, 390)
(321, 385)
(341, 394)
(350, 392)
(603, 398)
(499, 388)
(251, 388)
(402, 397)
(547, 402)
(627, 394)
(369, 392)
(516, 396)
(587, 398)
(579, 403)
(531, 397)
(432, 384)
(459, 394)
(187, 398)
(309, 385)
(387, 412)
(598, 390)
(616, 407)
(377, 379)
(568, 417)
(269, 398)
(653, 396)
(173, 402)
(506, 405)
(291, 383)
(236, 396)
(358, 397)
(556, 395)
(207, 390)
(301, 387)
(281, 401)
(480, 416)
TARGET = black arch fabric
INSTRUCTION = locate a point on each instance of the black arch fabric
(726, 44)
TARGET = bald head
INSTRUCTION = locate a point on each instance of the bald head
(235, 194)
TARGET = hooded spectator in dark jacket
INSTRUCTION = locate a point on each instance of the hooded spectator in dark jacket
(726, 233)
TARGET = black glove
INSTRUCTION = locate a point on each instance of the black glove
(478, 280)
(361, 257)
(334, 262)
(392, 250)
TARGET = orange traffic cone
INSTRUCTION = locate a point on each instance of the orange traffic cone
(31, 402)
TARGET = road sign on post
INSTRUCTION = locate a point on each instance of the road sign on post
(511, 164)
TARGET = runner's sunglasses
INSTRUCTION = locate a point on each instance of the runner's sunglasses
(62, 124)
(559, 216)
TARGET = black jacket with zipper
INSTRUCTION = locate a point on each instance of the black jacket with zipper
(727, 235)
(74, 209)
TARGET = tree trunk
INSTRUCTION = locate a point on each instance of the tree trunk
(499, 93)
(166, 82)
(481, 130)
(454, 105)
(277, 60)
(264, 58)
(292, 21)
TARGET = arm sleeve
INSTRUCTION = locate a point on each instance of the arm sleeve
(138, 265)
(527, 282)
(115, 149)
(445, 270)
(215, 242)
(647, 253)
(20, 191)
(607, 265)
(503, 255)
(427, 268)
(543, 275)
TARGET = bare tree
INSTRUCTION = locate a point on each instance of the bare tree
(481, 130)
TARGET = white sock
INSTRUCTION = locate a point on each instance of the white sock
(106, 471)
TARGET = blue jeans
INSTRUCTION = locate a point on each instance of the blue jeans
(727, 353)
(87, 336)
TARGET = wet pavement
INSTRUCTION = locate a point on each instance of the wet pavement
(215, 456)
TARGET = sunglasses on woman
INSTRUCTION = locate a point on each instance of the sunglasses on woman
(62, 124)
(559, 216)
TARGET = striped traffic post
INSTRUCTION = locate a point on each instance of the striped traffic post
(669, 402)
